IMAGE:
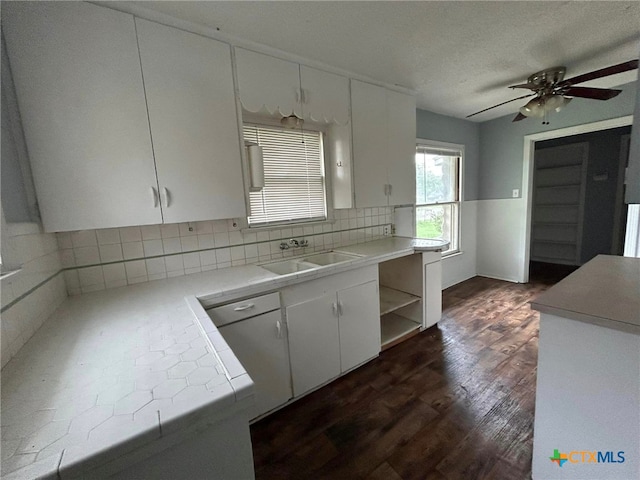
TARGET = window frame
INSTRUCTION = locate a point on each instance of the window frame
(457, 204)
(266, 121)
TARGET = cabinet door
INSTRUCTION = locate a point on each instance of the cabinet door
(401, 115)
(260, 345)
(325, 96)
(369, 117)
(268, 82)
(192, 111)
(359, 324)
(432, 293)
(77, 75)
(314, 343)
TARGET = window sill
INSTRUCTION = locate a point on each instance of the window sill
(455, 253)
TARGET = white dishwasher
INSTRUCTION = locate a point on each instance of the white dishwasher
(255, 331)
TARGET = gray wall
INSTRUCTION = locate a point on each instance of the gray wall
(501, 140)
(432, 126)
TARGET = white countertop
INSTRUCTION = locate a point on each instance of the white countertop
(605, 291)
(112, 371)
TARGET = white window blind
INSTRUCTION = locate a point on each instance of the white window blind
(294, 181)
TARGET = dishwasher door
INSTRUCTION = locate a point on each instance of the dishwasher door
(260, 343)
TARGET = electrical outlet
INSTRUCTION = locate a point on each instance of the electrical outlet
(386, 230)
(515, 193)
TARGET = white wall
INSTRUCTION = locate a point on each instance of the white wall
(500, 233)
(462, 266)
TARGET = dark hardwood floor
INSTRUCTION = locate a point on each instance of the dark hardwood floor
(455, 402)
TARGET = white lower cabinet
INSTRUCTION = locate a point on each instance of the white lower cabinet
(314, 343)
(261, 346)
(432, 288)
(358, 324)
(332, 333)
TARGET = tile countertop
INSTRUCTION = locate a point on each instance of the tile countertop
(605, 291)
(118, 370)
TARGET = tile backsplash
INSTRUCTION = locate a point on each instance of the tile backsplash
(31, 295)
(99, 259)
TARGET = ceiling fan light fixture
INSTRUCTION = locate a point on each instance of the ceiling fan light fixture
(534, 108)
(556, 102)
(540, 106)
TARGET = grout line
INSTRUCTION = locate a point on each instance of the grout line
(30, 291)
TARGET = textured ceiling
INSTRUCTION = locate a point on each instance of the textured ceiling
(458, 56)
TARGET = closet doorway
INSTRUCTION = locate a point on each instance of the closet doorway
(578, 208)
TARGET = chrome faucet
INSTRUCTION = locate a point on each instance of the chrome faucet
(299, 243)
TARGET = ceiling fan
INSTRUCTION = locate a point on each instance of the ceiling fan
(552, 92)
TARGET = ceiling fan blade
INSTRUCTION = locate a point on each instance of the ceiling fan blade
(503, 103)
(603, 72)
(593, 93)
(530, 86)
(519, 117)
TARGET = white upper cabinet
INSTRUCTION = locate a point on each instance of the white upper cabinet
(77, 76)
(384, 136)
(325, 96)
(192, 112)
(369, 112)
(279, 87)
(266, 82)
(401, 114)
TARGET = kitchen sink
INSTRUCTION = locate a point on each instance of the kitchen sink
(285, 267)
(329, 258)
(288, 266)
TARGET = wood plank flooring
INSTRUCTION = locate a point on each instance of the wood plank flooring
(454, 402)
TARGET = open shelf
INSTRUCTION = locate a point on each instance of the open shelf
(395, 328)
(392, 299)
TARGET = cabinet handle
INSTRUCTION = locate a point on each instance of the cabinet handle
(303, 95)
(154, 193)
(334, 307)
(339, 308)
(278, 329)
(390, 189)
(297, 96)
(386, 189)
(244, 307)
(167, 196)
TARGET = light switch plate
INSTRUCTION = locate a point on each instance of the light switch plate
(386, 230)
(515, 193)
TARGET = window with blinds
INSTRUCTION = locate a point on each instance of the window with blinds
(294, 177)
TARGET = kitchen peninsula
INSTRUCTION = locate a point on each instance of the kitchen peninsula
(125, 382)
(588, 387)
